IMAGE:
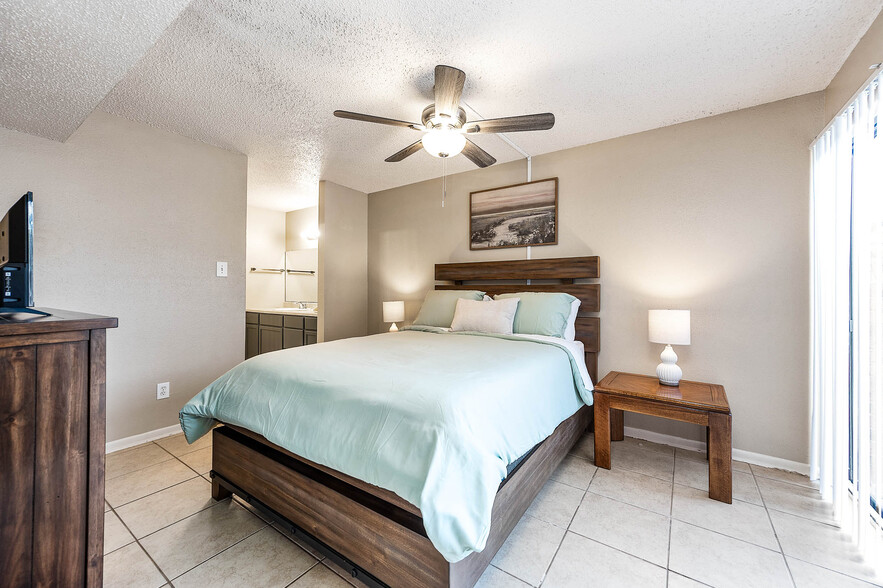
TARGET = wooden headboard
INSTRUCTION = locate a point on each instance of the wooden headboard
(557, 275)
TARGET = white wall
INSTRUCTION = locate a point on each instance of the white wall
(298, 222)
(265, 249)
(129, 222)
(343, 262)
(710, 215)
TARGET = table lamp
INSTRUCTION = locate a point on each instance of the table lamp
(394, 312)
(669, 327)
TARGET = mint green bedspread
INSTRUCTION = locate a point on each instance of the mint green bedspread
(434, 417)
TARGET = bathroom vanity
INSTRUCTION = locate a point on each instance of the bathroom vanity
(281, 328)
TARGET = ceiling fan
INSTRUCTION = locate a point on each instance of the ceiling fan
(444, 123)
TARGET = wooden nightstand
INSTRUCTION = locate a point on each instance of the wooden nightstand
(691, 402)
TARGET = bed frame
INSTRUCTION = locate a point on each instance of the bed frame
(371, 532)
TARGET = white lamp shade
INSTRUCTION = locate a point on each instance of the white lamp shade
(394, 311)
(669, 327)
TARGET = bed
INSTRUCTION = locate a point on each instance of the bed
(377, 535)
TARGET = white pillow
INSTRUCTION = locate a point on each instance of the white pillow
(570, 329)
(493, 316)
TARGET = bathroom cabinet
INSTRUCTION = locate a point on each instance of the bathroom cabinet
(269, 331)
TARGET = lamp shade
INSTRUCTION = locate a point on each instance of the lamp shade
(394, 311)
(669, 327)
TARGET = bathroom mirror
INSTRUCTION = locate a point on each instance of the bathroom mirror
(302, 275)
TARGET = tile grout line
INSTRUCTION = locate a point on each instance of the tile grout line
(775, 532)
(305, 573)
(223, 550)
(154, 492)
(174, 458)
(671, 509)
(141, 547)
(567, 528)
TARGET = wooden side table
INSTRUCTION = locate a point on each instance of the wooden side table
(691, 402)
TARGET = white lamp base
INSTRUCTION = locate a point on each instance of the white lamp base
(393, 328)
(668, 372)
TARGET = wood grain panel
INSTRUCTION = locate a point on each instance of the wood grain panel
(656, 408)
(61, 320)
(406, 558)
(688, 394)
(17, 406)
(521, 269)
(382, 493)
(720, 457)
(61, 475)
(588, 294)
(97, 442)
(60, 337)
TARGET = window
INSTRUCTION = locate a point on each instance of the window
(847, 314)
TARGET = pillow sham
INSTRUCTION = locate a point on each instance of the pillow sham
(439, 305)
(570, 330)
(485, 316)
(541, 313)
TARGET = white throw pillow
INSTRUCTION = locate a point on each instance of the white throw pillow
(492, 316)
(570, 329)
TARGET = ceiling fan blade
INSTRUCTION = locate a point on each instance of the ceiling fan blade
(477, 155)
(512, 124)
(409, 150)
(448, 87)
(377, 119)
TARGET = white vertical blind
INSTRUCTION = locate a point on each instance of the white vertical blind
(847, 282)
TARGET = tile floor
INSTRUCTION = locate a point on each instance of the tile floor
(648, 522)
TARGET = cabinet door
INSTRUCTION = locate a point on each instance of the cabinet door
(252, 341)
(17, 405)
(61, 470)
(310, 337)
(292, 338)
(271, 339)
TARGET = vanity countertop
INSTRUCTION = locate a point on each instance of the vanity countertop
(286, 310)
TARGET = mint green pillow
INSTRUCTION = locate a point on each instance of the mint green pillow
(439, 306)
(541, 313)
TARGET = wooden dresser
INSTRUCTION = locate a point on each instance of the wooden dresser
(52, 442)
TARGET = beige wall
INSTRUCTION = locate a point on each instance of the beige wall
(343, 262)
(130, 221)
(710, 215)
(297, 222)
(265, 248)
(854, 72)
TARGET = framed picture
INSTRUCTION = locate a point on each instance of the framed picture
(520, 215)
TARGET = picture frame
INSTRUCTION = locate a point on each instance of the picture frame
(518, 215)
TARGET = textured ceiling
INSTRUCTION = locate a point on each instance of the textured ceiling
(262, 77)
(58, 60)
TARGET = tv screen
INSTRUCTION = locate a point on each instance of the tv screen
(17, 254)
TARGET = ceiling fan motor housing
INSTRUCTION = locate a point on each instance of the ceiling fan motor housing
(430, 120)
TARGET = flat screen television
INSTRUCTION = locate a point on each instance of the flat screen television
(17, 257)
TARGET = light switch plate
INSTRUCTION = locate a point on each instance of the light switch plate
(222, 269)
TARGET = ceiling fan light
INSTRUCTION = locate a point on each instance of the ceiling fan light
(444, 142)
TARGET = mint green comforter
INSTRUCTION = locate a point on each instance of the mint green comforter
(434, 417)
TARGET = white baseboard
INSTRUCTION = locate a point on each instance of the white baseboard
(738, 454)
(134, 440)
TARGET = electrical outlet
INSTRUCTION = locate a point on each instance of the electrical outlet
(162, 390)
(222, 269)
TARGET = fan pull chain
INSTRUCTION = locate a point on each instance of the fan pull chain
(444, 180)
